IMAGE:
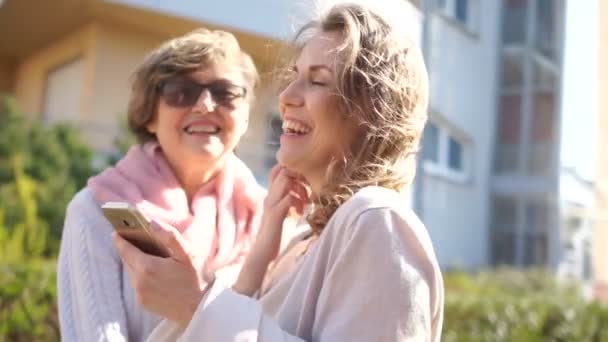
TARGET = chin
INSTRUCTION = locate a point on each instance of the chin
(202, 153)
(289, 161)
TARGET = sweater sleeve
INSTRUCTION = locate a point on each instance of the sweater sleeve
(382, 284)
(224, 315)
(91, 306)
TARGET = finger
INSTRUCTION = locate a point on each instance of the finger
(286, 203)
(293, 175)
(302, 191)
(280, 187)
(172, 239)
(128, 253)
(274, 172)
(300, 201)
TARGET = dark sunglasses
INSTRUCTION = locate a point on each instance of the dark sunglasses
(185, 92)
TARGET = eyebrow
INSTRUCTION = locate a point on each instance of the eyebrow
(316, 67)
(223, 81)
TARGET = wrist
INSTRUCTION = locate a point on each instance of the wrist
(196, 300)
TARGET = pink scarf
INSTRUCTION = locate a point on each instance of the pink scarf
(222, 219)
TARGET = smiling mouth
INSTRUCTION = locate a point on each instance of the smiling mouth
(202, 129)
(295, 128)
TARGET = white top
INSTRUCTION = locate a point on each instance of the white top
(372, 275)
(96, 299)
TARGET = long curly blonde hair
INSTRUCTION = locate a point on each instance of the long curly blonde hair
(382, 84)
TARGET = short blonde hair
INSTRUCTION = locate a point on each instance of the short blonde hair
(181, 56)
(382, 84)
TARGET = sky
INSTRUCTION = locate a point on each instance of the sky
(580, 87)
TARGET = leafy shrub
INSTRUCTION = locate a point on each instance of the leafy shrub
(28, 301)
(41, 168)
(515, 305)
(53, 162)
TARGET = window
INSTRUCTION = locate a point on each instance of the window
(528, 110)
(503, 230)
(514, 22)
(462, 11)
(430, 142)
(542, 135)
(445, 153)
(547, 27)
(273, 140)
(506, 158)
(536, 247)
(63, 92)
(455, 155)
(512, 68)
(519, 230)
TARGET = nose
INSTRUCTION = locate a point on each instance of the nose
(204, 103)
(292, 95)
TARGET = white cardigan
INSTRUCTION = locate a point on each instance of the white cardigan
(96, 299)
(372, 275)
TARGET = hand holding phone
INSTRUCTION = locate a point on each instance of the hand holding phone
(131, 225)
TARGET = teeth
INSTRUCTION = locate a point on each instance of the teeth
(203, 129)
(292, 126)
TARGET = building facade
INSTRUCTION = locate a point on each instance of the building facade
(490, 174)
(75, 65)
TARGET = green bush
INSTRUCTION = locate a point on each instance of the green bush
(41, 168)
(54, 163)
(515, 305)
(28, 301)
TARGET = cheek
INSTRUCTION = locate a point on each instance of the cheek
(237, 121)
(171, 118)
(325, 116)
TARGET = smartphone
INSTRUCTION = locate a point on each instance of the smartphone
(131, 224)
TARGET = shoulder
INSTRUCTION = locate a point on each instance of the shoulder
(84, 203)
(374, 202)
(86, 231)
(83, 211)
(376, 218)
(379, 224)
(83, 199)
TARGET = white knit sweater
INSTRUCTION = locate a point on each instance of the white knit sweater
(96, 299)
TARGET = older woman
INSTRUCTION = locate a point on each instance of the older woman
(353, 113)
(189, 107)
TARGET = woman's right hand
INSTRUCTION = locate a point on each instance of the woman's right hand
(288, 191)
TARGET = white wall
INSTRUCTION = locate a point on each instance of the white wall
(463, 71)
(264, 17)
(580, 87)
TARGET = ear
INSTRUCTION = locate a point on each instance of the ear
(245, 125)
(152, 126)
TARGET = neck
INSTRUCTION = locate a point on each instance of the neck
(316, 182)
(192, 179)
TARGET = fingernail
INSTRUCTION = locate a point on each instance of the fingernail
(155, 225)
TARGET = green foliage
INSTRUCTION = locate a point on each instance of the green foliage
(41, 168)
(28, 237)
(122, 143)
(515, 305)
(28, 301)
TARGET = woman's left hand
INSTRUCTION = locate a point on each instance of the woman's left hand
(170, 287)
(288, 193)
